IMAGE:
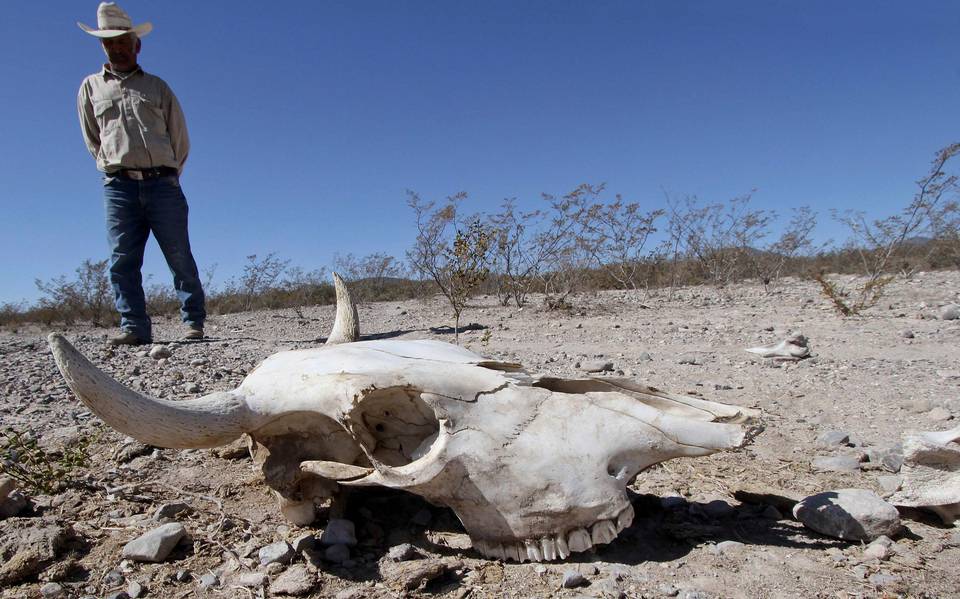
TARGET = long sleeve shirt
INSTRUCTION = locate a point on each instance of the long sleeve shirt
(132, 121)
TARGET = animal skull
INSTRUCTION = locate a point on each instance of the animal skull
(535, 467)
(931, 473)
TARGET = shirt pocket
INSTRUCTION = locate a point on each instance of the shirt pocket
(107, 112)
(149, 114)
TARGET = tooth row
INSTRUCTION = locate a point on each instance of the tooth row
(558, 546)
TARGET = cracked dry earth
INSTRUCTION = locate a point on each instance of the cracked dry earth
(711, 527)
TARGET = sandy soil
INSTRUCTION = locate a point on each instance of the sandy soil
(867, 377)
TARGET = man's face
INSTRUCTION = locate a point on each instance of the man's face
(121, 51)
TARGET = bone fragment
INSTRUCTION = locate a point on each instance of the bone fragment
(794, 347)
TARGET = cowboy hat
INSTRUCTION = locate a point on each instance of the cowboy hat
(113, 21)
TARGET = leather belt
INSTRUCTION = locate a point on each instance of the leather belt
(141, 174)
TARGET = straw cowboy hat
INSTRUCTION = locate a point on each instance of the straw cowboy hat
(113, 21)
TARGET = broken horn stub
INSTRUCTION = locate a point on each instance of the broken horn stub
(346, 325)
(209, 421)
(794, 347)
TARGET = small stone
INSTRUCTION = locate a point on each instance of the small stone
(573, 579)
(296, 581)
(305, 541)
(644, 357)
(849, 514)
(280, 553)
(199, 361)
(907, 334)
(160, 352)
(668, 590)
(688, 359)
(182, 576)
(726, 547)
(337, 554)
(117, 595)
(833, 438)
(192, 387)
(156, 545)
(339, 531)
(950, 312)
(841, 463)
(889, 484)
(169, 510)
(596, 366)
(939, 414)
(134, 589)
(718, 509)
(208, 580)
(919, 406)
(51, 590)
(249, 580)
(403, 552)
(673, 502)
(881, 549)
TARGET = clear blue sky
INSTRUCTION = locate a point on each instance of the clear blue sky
(309, 120)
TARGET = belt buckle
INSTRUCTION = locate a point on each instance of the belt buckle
(136, 175)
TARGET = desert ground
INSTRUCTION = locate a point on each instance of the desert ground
(719, 526)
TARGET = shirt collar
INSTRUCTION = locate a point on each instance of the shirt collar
(106, 72)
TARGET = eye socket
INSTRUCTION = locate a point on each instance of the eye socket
(379, 428)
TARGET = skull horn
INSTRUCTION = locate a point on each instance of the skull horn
(208, 421)
(346, 325)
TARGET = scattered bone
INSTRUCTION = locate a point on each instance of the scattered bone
(794, 347)
(931, 473)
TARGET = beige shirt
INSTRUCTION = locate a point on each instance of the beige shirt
(133, 121)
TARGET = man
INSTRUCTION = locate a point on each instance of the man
(134, 128)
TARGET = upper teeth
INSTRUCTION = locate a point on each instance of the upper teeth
(559, 545)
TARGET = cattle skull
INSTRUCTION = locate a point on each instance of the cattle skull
(536, 468)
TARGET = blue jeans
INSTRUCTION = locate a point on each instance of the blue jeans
(134, 209)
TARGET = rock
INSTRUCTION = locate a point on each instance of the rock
(160, 352)
(840, 463)
(169, 510)
(673, 502)
(939, 414)
(688, 359)
(907, 334)
(573, 579)
(191, 387)
(833, 438)
(403, 552)
(156, 545)
(849, 514)
(950, 312)
(668, 590)
(339, 531)
(275, 553)
(305, 541)
(724, 547)
(134, 589)
(296, 581)
(337, 554)
(249, 580)
(889, 484)
(414, 574)
(596, 366)
(52, 590)
(29, 545)
(199, 362)
(716, 509)
(7, 485)
(14, 503)
(209, 580)
(881, 548)
(644, 357)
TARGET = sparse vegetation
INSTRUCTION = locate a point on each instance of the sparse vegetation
(43, 471)
(574, 242)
